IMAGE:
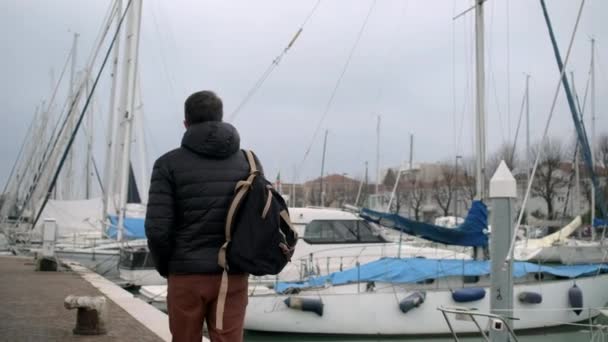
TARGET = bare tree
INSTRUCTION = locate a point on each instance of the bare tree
(390, 178)
(549, 178)
(505, 152)
(444, 186)
(468, 183)
(415, 195)
(601, 154)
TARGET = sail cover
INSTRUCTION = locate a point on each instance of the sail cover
(470, 233)
(600, 223)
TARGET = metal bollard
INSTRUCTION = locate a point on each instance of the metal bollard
(91, 315)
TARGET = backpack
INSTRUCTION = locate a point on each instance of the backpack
(260, 238)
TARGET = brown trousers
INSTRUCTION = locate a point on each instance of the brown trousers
(192, 300)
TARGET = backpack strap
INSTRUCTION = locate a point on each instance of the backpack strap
(253, 167)
(241, 189)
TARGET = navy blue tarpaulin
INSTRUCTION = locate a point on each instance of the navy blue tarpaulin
(472, 232)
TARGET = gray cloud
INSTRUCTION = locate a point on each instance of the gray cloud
(401, 69)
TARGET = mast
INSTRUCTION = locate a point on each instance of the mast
(378, 155)
(112, 125)
(480, 124)
(528, 154)
(128, 90)
(576, 204)
(361, 187)
(398, 178)
(321, 197)
(66, 190)
(592, 132)
(141, 146)
(88, 167)
(293, 187)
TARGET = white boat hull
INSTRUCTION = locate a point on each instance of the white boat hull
(592, 252)
(376, 313)
(103, 263)
(141, 277)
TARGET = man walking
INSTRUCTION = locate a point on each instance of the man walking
(190, 191)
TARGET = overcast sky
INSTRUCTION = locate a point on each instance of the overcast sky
(413, 65)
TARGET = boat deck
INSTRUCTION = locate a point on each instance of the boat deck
(32, 305)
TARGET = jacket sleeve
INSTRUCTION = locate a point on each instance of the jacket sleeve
(160, 216)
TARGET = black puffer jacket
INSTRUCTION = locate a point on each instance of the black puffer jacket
(190, 192)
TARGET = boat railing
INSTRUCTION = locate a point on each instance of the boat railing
(497, 322)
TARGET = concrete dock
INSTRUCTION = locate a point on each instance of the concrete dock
(32, 309)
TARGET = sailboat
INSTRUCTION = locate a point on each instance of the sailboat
(559, 247)
(332, 240)
(88, 233)
(401, 296)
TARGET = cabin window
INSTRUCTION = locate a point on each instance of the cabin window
(340, 231)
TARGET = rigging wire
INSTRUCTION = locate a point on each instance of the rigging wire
(508, 69)
(23, 143)
(467, 87)
(492, 78)
(54, 137)
(170, 79)
(275, 62)
(521, 114)
(454, 124)
(546, 130)
(337, 85)
(50, 148)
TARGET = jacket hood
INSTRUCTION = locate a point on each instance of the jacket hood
(212, 139)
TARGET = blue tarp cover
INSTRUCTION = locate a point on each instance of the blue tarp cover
(134, 228)
(599, 223)
(412, 270)
(470, 233)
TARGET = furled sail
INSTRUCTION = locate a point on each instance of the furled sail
(472, 232)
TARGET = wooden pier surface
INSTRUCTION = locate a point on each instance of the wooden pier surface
(31, 306)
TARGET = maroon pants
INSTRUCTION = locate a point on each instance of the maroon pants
(192, 300)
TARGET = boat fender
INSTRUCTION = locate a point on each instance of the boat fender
(412, 301)
(575, 297)
(530, 297)
(468, 294)
(305, 304)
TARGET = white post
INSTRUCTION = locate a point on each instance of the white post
(592, 143)
(131, 55)
(480, 123)
(49, 237)
(503, 190)
(109, 163)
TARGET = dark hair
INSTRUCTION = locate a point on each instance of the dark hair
(203, 106)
